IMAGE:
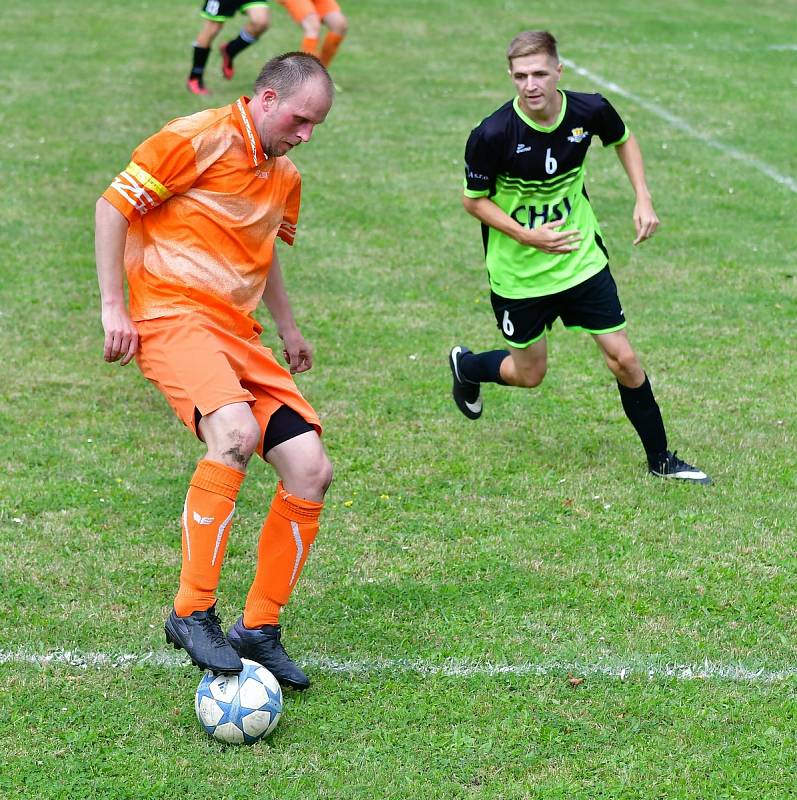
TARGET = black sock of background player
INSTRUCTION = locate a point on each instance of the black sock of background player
(200, 59)
(240, 42)
(483, 367)
(642, 410)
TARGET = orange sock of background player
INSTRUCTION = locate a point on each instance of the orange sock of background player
(309, 45)
(331, 44)
(206, 522)
(289, 530)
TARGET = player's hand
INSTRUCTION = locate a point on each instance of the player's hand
(645, 220)
(550, 239)
(121, 336)
(296, 351)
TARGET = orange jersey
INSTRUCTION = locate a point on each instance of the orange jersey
(205, 206)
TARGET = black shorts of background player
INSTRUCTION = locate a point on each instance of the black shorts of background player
(592, 306)
(524, 181)
(215, 13)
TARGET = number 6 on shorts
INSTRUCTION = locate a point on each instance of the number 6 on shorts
(506, 324)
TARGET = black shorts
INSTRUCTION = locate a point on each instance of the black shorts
(285, 423)
(222, 10)
(592, 306)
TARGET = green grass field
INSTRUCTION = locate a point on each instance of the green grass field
(466, 574)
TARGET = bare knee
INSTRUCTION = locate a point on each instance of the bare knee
(258, 23)
(208, 33)
(320, 475)
(337, 23)
(311, 26)
(526, 376)
(310, 479)
(626, 367)
(530, 379)
(303, 466)
(238, 443)
(256, 29)
(232, 435)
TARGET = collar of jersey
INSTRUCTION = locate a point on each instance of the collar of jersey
(532, 124)
(254, 151)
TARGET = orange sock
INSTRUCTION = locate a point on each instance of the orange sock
(309, 45)
(288, 532)
(331, 44)
(206, 522)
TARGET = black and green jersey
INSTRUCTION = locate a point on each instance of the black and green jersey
(536, 175)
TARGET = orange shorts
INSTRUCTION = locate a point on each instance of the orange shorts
(200, 366)
(299, 9)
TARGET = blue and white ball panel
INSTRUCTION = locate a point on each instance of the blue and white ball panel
(239, 709)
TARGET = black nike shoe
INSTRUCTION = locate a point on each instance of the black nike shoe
(264, 646)
(200, 635)
(467, 394)
(670, 466)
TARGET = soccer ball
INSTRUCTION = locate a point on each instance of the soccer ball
(239, 709)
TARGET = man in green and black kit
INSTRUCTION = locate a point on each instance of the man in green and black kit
(524, 181)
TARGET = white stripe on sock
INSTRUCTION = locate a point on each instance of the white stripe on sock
(299, 550)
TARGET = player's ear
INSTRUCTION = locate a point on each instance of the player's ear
(268, 98)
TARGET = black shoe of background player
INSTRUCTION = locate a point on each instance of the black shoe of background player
(201, 636)
(467, 394)
(264, 646)
(668, 465)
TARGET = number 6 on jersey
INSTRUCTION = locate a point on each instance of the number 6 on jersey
(550, 162)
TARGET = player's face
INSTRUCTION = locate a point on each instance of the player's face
(287, 122)
(535, 78)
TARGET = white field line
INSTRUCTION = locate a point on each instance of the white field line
(677, 122)
(452, 668)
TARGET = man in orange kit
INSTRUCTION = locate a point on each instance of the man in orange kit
(192, 220)
(309, 16)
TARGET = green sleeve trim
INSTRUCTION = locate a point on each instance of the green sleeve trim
(474, 194)
(622, 140)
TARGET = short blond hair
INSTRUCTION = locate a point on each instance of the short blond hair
(530, 43)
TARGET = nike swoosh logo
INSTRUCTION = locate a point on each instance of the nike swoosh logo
(476, 407)
(457, 351)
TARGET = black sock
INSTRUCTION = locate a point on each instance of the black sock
(483, 367)
(642, 410)
(200, 59)
(240, 42)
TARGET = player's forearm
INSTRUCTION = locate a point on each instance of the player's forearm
(488, 213)
(630, 156)
(110, 235)
(276, 299)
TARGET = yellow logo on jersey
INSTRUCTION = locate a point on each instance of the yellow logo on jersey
(578, 135)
